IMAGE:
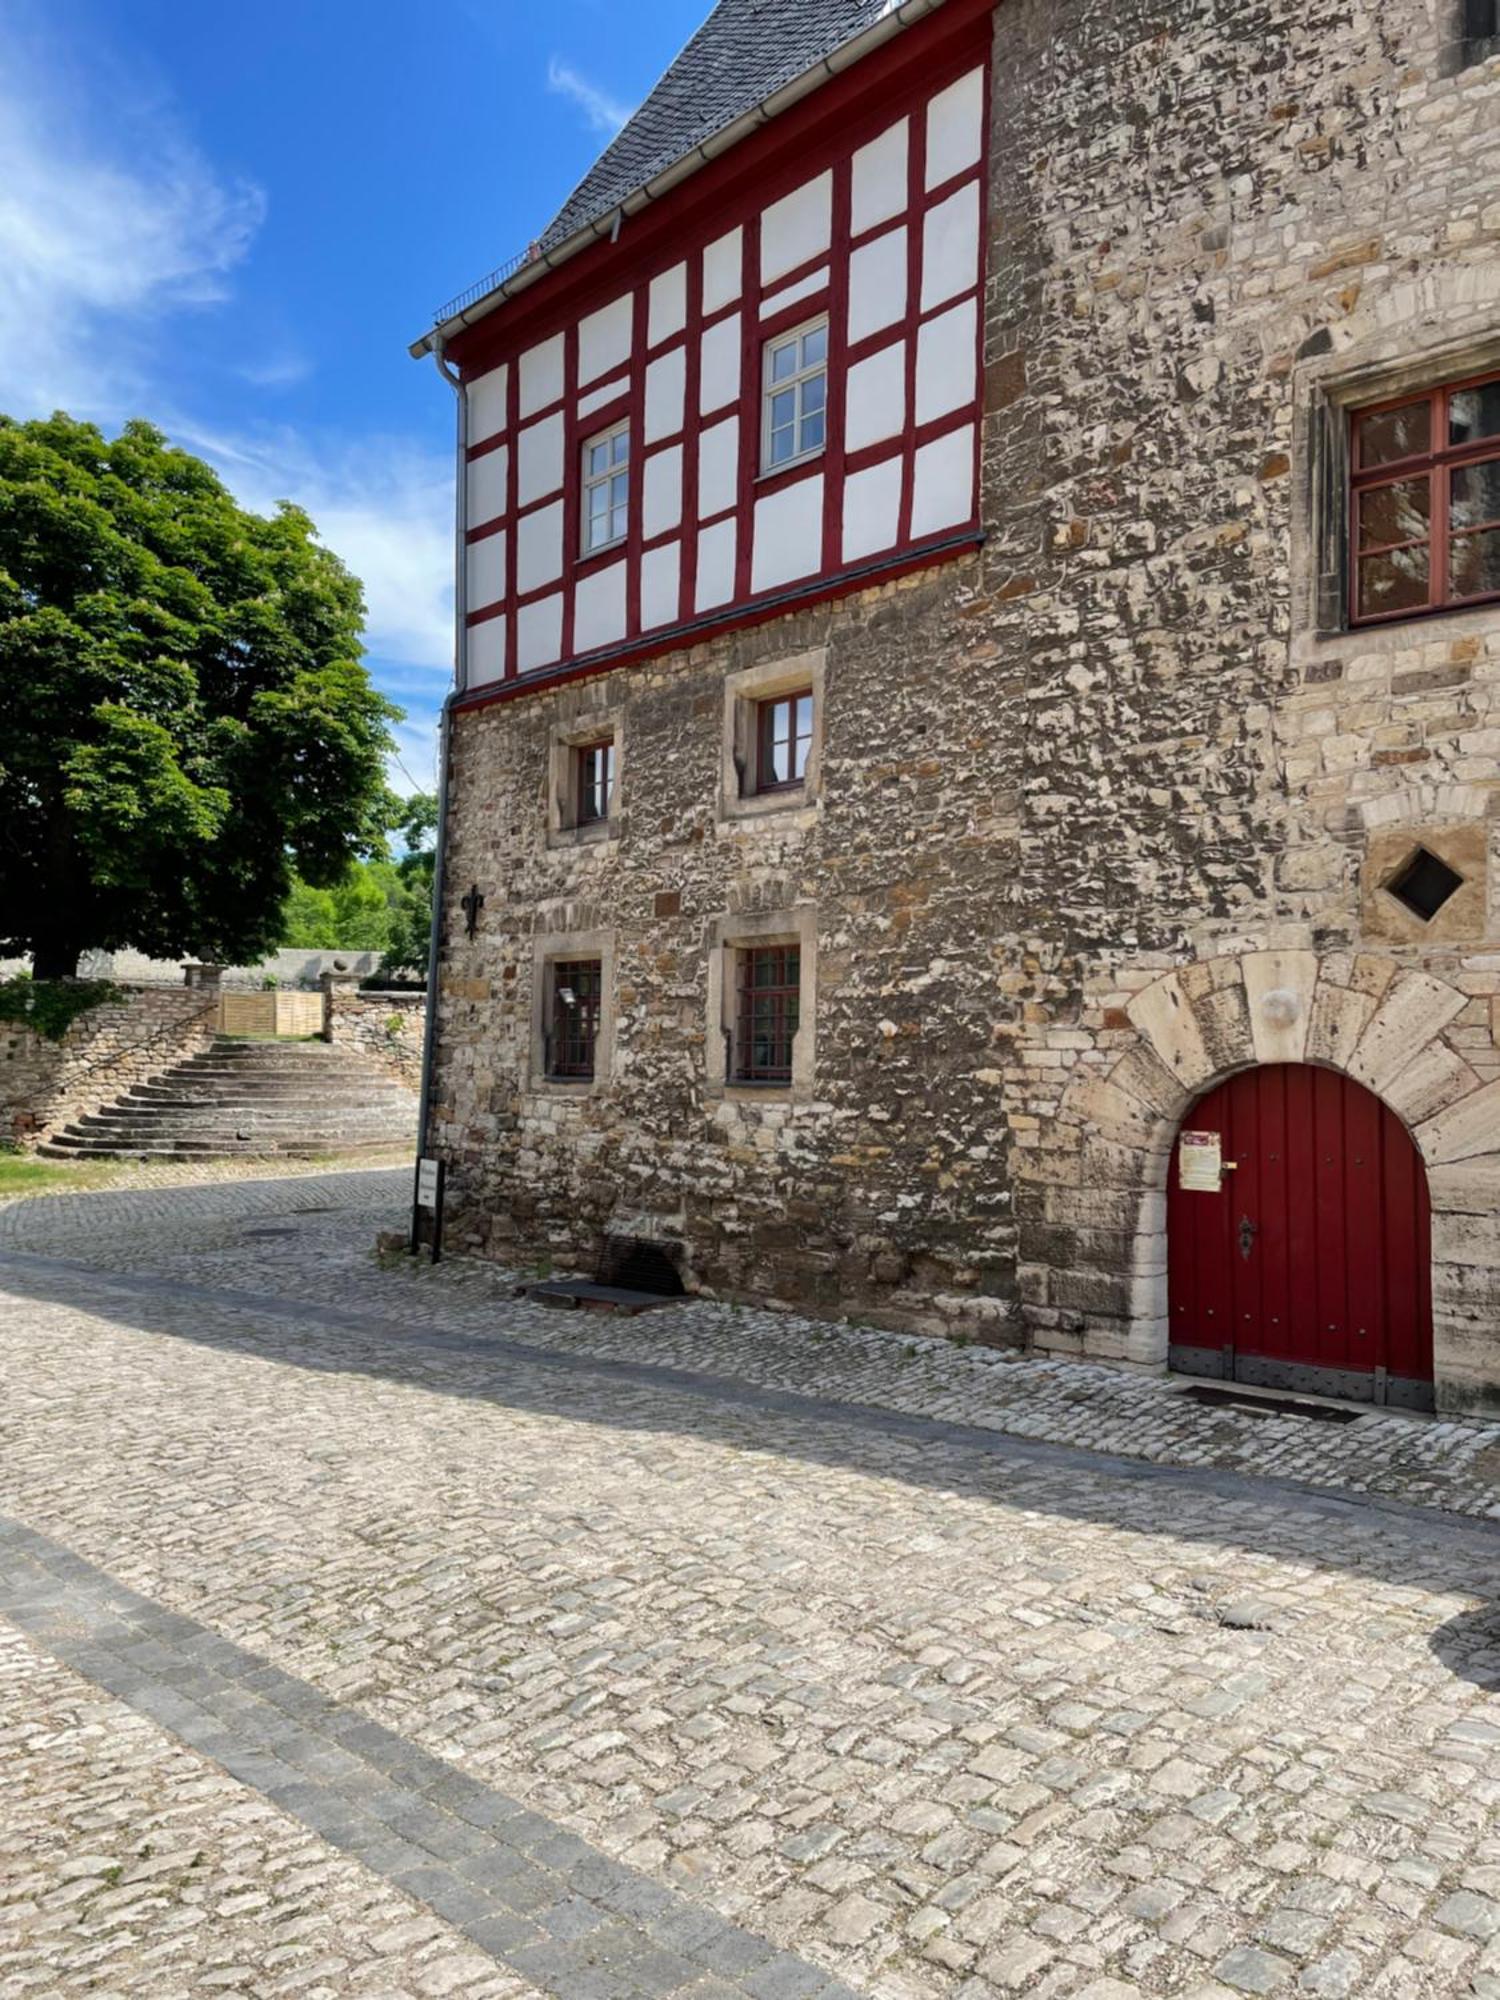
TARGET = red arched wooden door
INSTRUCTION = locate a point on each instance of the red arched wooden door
(1310, 1266)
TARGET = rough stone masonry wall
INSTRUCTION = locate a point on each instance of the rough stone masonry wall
(45, 1085)
(385, 1028)
(1222, 217)
(1115, 745)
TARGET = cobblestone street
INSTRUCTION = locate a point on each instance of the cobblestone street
(371, 1632)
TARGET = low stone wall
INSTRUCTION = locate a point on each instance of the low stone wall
(386, 1028)
(45, 1085)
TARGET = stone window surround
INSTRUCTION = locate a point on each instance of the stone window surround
(725, 936)
(1328, 388)
(563, 829)
(549, 950)
(744, 691)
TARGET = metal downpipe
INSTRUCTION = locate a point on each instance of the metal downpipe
(445, 735)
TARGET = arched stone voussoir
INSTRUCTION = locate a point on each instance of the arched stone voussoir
(1280, 996)
(1411, 1015)
(1464, 1130)
(1164, 1015)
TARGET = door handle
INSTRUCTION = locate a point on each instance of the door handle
(1248, 1234)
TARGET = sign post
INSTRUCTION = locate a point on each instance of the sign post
(427, 1197)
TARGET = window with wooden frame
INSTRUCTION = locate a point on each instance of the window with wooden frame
(573, 1027)
(794, 423)
(606, 488)
(594, 781)
(1424, 503)
(783, 741)
(768, 991)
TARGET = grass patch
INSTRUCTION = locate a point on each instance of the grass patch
(20, 1175)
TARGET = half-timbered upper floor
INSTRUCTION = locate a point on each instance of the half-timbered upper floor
(760, 389)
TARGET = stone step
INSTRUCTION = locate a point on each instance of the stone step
(61, 1148)
(166, 1096)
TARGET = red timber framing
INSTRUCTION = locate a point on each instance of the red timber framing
(673, 581)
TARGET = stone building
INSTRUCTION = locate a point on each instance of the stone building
(981, 656)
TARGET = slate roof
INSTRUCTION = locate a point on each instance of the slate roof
(744, 51)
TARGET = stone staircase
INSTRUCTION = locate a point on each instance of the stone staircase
(249, 1100)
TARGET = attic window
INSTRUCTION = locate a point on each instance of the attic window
(1424, 884)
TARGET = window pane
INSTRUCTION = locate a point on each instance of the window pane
(1394, 582)
(621, 447)
(783, 408)
(1474, 564)
(598, 457)
(1476, 494)
(812, 431)
(783, 361)
(619, 488)
(1474, 413)
(814, 346)
(815, 392)
(1398, 513)
(1393, 434)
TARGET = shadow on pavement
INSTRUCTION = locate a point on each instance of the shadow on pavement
(1389, 1542)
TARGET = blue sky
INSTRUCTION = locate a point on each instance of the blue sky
(232, 219)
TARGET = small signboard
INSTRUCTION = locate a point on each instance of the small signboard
(1200, 1163)
(427, 1199)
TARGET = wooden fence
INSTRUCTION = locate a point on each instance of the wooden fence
(271, 1014)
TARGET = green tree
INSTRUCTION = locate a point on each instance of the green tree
(184, 717)
(406, 953)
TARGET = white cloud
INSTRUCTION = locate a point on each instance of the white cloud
(605, 114)
(99, 238)
(384, 506)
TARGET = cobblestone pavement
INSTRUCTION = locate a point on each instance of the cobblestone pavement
(870, 1690)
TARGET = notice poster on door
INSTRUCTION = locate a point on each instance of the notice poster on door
(1200, 1163)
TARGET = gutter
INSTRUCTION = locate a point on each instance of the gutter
(445, 730)
(608, 226)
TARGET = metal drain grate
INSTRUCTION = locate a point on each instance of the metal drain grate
(1269, 1406)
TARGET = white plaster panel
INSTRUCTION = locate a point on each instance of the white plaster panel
(485, 562)
(599, 609)
(797, 227)
(875, 406)
(788, 534)
(815, 281)
(539, 547)
(943, 483)
(723, 271)
(877, 284)
(667, 308)
(488, 478)
(716, 548)
(604, 339)
(605, 393)
(661, 492)
(541, 375)
(718, 468)
(539, 459)
(719, 379)
(955, 128)
(661, 581)
(872, 509)
(880, 178)
(539, 633)
(950, 247)
(947, 362)
(486, 652)
(488, 396)
(666, 385)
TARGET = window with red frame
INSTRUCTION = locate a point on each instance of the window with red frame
(577, 989)
(769, 1003)
(783, 741)
(595, 779)
(1425, 503)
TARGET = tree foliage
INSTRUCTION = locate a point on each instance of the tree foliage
(185, 721)
(382, 905)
